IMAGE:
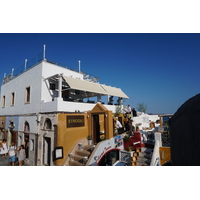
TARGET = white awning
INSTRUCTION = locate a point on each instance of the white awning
(112, 91)
(83, 85)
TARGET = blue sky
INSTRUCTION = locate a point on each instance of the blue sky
(160, 70)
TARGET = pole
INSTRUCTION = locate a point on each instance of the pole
(79, 66)
(25, 64)
(12, 71)
(44, 52)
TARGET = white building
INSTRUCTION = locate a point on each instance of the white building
(47, 87)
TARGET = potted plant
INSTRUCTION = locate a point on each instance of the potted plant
(89, 137)
(129, 148)
(103, 138)
(126, 138)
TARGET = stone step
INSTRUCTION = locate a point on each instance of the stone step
(82, 153)
(75, 163)
(146, 150)
(146, 155)
(146, 163)
(87, 147)
(78, 158)
(142, 159)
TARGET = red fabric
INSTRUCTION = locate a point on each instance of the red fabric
(135, 138)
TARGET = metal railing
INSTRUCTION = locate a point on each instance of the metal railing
(27, 65)
(38, 58)
(86, 76)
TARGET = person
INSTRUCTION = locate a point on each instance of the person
(118, 126)
(21, 155)
(138, 131)
(126, 123)
(119, 101)
(128, 109)
(131, 127)
(110, 102)
(11, 154)
(4, 148)
(26, 146)
(134, 112)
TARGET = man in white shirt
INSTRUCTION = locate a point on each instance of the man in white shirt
(128, 109)
(118, 125)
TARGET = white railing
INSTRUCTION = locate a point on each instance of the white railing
(155, 160)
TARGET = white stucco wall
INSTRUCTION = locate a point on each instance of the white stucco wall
(31, 78)
(32, 120)
(144, 119)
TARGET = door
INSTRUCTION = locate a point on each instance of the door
(47, 151)
(96, 128)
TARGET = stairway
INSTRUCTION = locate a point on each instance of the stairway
(80, 157)
(142, 157)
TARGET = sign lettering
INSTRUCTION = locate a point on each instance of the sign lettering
(75, 121)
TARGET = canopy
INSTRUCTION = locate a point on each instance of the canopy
(112, 91)
(84, 85)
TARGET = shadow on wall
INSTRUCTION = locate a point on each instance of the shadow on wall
(185, 134)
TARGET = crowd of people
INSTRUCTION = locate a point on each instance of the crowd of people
(128, 124)
(12, 153)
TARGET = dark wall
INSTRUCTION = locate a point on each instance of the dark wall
(185, 134)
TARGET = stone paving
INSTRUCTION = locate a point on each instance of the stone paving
(4, 162)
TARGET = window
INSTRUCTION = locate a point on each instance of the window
(47, 124)
(26, 127)
(4, 101)
(27, 95)
(32, 145)
(12, 99)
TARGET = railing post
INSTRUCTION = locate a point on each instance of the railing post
(12, 72)
(44, 52)
(79, 66)
(25, 64)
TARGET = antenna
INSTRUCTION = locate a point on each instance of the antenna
(79, 66)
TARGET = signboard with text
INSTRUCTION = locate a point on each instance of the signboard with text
(75, 121)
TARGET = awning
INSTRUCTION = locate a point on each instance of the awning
(112, 91)
(83, 85)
